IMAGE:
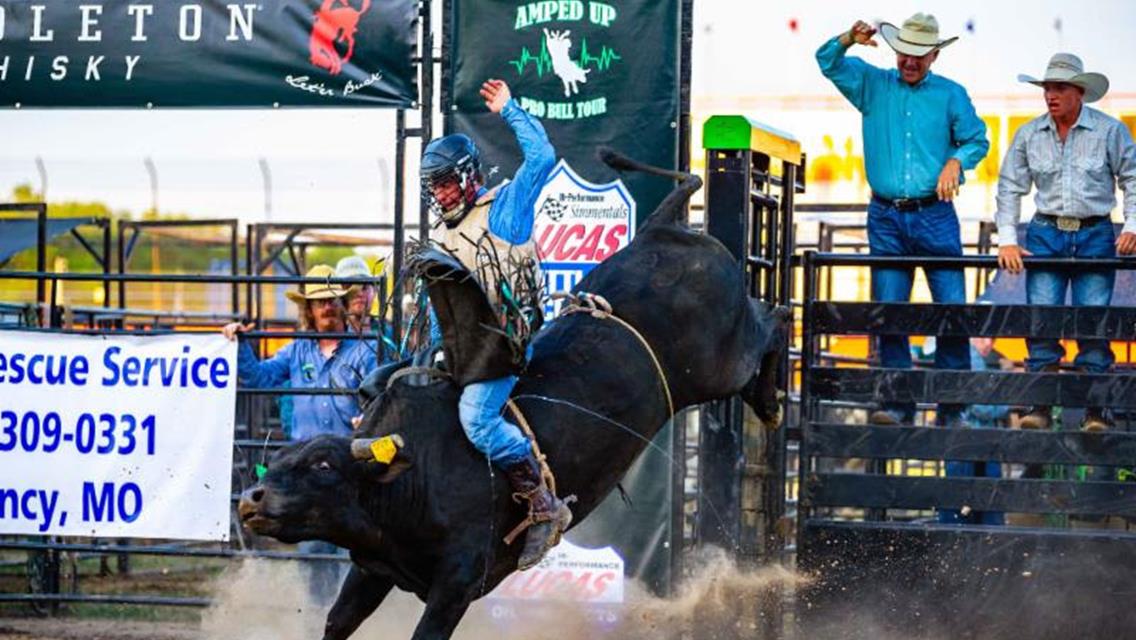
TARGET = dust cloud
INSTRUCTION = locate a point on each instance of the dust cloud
(268, 600)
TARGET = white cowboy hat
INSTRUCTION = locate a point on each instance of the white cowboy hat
(918, 37)
(1068, 68)
(353, 267)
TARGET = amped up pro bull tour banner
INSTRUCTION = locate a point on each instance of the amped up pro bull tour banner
(207, 53)
(595, 73)
(116, 436)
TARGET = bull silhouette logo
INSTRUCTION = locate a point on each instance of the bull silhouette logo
(568, 70)
(335, 25)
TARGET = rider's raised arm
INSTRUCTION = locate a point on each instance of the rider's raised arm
(512, 213)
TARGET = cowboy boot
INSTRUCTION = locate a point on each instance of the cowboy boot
(549, 515)
(1039, 417)
(1095, 420)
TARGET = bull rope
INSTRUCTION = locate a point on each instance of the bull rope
(597, 306)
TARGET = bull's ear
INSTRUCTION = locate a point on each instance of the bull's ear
(382, 459)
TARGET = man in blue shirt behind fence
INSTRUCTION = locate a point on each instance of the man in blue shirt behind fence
(921, 133)
(331, 363)
(326, 363)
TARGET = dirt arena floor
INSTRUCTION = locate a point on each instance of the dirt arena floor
(66, 629)
(264, 600)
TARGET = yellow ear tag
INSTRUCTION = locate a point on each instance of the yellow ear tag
(384, 449)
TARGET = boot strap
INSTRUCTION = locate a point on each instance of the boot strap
(519, 529)
(535, 518)
(546, 475)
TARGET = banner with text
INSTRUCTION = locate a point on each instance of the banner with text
(594, 73)
(117, 53)
(592, 580)
(578, 225)
(116, 436)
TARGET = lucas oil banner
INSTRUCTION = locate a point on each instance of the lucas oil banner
(594, 73)
(116, 437)
(579, 225)
(207, 53)
(592, 580)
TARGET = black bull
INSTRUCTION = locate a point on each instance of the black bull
(432, 520)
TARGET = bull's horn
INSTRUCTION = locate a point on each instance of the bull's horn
(370, 448)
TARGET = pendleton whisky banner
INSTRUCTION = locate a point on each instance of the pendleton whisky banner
(207, 53)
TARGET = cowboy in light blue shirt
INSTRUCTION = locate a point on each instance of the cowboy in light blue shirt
(920, 133)
(1076, 156)
(308, 363)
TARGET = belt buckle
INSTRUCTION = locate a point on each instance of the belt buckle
(1068, 223)
(902, 203)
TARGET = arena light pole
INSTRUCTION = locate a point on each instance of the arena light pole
(152, 172)
(266, 176)
(42, 170)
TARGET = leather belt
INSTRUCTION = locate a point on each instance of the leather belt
(907, 205)
(1070, 223)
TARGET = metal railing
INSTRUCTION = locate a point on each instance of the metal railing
(854, 527)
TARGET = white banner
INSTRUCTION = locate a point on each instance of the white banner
(116, 436)
(578, 225)
(568, 572)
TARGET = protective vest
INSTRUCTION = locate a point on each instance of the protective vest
(495, 262)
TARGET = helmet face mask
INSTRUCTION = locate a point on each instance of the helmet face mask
(451, 175)
(451, 194)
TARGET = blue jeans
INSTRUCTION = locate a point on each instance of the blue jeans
(961, 469)
(969, 469)
(1090, 288)
(933, 231)
(480, 412)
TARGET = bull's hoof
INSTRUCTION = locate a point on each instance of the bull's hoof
(543, 536)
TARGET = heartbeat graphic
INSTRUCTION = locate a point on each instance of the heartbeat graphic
(606, 57)
(543, 61)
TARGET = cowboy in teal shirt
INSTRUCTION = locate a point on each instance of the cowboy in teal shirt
(911, 130)
(920, 133)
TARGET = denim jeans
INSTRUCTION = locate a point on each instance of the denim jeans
(480, 412)
(933, 231)
(962, 469)
(1091, 287)
(968, 469)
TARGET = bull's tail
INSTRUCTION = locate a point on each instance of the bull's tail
(670, 210)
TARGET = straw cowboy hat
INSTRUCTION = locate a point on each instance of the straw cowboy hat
(918, 36)
(317, 290)
(1068, 68)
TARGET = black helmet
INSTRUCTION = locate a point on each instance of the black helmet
(453, 157)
